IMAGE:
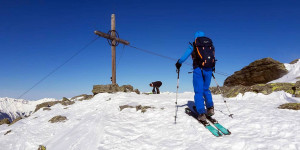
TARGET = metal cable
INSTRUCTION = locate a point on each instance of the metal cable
(53, 71)
(170, 58)
(58, 67)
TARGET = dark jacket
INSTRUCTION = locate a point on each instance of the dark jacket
(157, 83)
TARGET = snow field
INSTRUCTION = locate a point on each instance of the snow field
(293, 74)
(98, 124)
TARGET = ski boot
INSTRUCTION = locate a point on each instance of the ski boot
(201, 117)
(210, 111)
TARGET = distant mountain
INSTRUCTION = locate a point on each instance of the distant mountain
(12, 108)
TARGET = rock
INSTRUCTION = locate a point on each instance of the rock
(137, 91)
(138, 107)
(294, 61)
(46, 108)
(4, 121)
(143, 108)
(42, 147)
(16, 120)
(297, 85)
(113, 88)
(58, 119)
(126, 88)
(258, 72)
(64, 102)
(82, 97)
(110, 88)
(7, 132)
(233, 91)
(125, 106)
(293, 106)
(45, 104)
(65, 99)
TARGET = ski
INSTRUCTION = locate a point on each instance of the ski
(216, 124)
(213, 130)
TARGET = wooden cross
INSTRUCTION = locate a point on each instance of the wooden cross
(114, 40)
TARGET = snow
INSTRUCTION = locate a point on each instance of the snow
(98, 124)
(292, 75)
(15, 107)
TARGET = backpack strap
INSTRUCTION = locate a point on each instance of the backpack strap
(198, 49)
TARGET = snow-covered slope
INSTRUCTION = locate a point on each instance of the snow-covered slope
(99, 124)
(293, 75)
(13, 108)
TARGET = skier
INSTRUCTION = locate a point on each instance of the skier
(203, 55)
(156, 86)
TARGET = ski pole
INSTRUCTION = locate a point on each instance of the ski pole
(176, 108)
(222, 96)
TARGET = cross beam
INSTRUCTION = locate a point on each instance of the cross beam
(112, 37)
(107, 36)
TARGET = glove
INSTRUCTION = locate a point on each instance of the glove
(178, 65)
(214, 69)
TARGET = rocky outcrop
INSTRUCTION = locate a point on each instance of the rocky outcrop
(258, 72)
(64, 102)
(16, 120)
(113, 88)
(293, 106)
(82, 97)
(4, 121)
(138, 107)
(294, 61)
(292, 88)
(58, 119)
(42, 147)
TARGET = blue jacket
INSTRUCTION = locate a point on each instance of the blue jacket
(189, 50)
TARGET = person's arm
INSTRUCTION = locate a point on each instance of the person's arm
(186, 55)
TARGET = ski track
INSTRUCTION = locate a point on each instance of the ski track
(98, 124)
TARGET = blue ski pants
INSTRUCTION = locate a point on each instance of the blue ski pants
(201, 83)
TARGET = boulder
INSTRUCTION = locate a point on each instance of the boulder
(113, 88)
(258, 72)
(58, 119)
(126, 88)
(109, 88)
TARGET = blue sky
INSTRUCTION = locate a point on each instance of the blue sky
(38, 36)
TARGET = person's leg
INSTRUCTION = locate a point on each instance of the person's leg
(206, 92)
(157, 90)
(198, 89)
(153, 90)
